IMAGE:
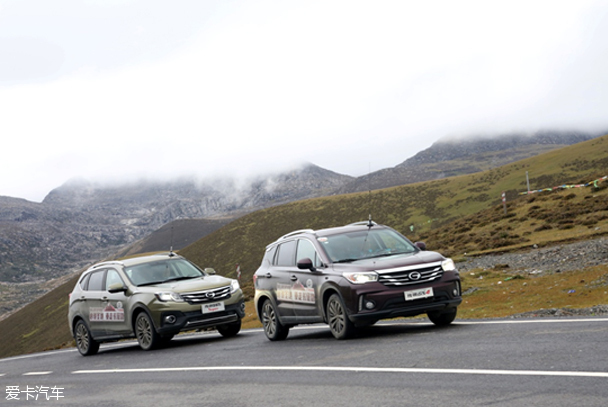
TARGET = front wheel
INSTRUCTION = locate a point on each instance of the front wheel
(442, 318)
(146, 335)
(274, 330)
(84, 341)
(229, 330)
(340, 326)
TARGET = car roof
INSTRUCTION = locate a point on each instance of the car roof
(136, 260)
(352, 227)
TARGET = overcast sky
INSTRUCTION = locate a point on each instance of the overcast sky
(116, 90)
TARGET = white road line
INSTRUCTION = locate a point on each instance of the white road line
(534, 321)
(352, 369)
(37, 373)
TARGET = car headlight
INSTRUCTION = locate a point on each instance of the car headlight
(448, 265)
(361, 278)
(169, 296)
(234, 286)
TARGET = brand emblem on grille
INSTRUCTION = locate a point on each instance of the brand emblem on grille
(210, 295)
(414, 275)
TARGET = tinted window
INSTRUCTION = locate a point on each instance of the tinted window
(286, 255)
(357, 245)
(307, 250)
(163, 270)
(96, 281)
(84, 282)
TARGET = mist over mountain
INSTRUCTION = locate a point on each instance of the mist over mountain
(82, 222)
(458, 156)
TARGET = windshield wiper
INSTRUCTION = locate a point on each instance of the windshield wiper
(149, 283)
(345, 260)
(180, 278)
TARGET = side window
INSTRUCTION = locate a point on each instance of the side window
(112, 278)
(84, 282)
(286, 255)
(306, 249)
(269, 256)
(96, 281)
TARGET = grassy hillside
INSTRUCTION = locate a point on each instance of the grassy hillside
(439, 211)
(452, 215)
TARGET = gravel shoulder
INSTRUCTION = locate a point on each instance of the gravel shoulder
(553, 259)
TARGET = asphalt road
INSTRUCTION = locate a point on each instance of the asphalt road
(549, 362)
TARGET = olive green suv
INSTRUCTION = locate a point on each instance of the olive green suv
(151, 298)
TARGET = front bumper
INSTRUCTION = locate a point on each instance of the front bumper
(172, 322)
(392, 303)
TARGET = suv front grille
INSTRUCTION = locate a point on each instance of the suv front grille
(215, 294)
(410, 275)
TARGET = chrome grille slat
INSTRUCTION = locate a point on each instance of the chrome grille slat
(199, 297)
(402, 277)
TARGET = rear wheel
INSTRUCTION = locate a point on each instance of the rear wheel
(340, 326)
(146, 335)
(229, 330)
(84, 341)
(442, 318)
(274, 330)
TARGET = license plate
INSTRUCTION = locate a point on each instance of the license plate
(213, 307)
(418, 294)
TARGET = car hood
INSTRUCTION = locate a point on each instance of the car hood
(186, 286)
(390, 262)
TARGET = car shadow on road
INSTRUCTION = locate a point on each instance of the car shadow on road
(380, 329)
(180, 341)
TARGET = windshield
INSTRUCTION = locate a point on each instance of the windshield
(365, 244)
(162, 271)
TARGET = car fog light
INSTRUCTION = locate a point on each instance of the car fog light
(455, 292)
(170, 319)
(370, 304)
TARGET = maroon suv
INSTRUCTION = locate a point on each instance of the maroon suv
(352, 276)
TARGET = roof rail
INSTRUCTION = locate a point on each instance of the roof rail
(363, 222)
(107, 263)
(295, 232)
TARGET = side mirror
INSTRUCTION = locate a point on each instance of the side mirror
(421, 245)
(116, 288)
(209, 270)
(306, 264)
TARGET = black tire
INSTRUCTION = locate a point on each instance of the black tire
(340, 326)
(444, 318)
(229, 330)
(164, 340)
(145, 332)
(365, 324)
(274, 330)
(85, 343)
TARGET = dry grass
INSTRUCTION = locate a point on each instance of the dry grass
(496, 293)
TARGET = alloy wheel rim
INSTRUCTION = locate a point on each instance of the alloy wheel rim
(336, 317)
(269, 320)
(82, 338)
(144, 333)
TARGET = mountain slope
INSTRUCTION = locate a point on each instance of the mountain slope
(451, 205)
(458, 156)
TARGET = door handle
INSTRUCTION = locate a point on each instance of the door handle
(268, 275)
(293, 278)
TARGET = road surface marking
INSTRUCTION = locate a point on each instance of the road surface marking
(352, 369)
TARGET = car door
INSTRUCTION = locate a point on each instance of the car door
(281, 284)
(90, 298)
(115, 317)
(307, 283)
